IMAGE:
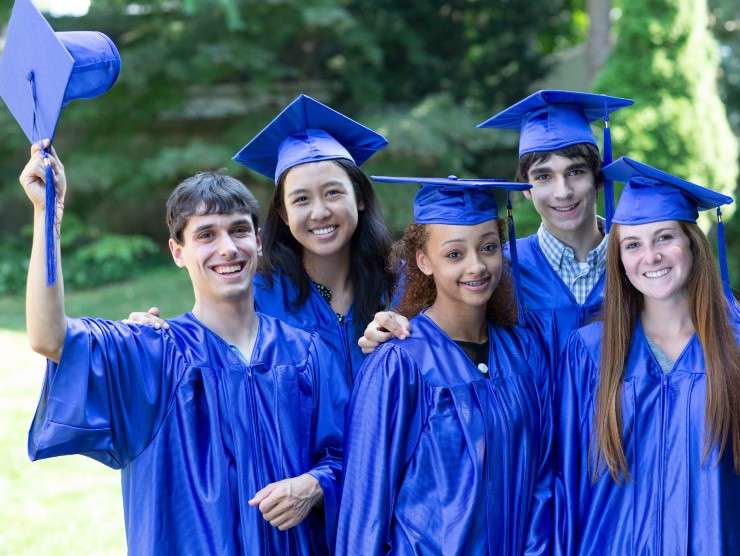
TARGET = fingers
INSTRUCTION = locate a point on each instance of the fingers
(148, 319)
(396, 324)
(261, 495)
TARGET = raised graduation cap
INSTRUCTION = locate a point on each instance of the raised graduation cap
(550, 120)
(308, 131)
(651, 195)
(464, 202)
(40, 73)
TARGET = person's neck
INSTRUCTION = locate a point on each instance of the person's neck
(330, 271)
(667, 319)
(464, 323)
(236, 323)
(582, 241)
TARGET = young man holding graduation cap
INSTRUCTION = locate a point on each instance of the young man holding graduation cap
(224, 426)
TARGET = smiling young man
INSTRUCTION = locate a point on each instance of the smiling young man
(223, 425)
(562, 265)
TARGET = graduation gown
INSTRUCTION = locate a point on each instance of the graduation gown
(550, 310)
(675, 503)
(441, 460)
(195, 431)
(316, 315)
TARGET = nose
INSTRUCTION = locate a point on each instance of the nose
(226, 246)
(476, 267)
(319, 210)
(562, 189)
(653, 255)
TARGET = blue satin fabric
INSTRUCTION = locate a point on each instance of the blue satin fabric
(316, 315)
(441, 460)
(675, 504)
(196, 432)
(550, 310)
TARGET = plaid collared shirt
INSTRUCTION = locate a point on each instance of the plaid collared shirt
(579, 277)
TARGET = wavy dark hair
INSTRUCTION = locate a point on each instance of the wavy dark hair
(372, 280)
(420, 292)
(709, 315)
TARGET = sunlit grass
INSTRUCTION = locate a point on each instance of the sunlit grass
(69, 505)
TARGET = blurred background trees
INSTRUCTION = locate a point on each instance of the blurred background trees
(200, 77)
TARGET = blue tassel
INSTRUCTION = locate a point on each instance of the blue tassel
(515, 262)
(608, 184)
(724, 273)
(51, 259)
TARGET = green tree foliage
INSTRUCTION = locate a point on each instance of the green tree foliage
(666, 60)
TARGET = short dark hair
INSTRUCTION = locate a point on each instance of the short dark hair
(587, 151)
(208, 193)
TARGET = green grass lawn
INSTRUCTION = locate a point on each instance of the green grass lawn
(69, 505)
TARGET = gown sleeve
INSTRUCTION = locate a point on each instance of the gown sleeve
(539, 539)
(105, 398)
(385, 416)
(330, 402)
(574, 392)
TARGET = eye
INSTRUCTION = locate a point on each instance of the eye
(577, 172)
(206, 235)
(453, 255)
(490, 248)
(542, 177)
(299, 200)
(664, 237)
(333, 192)
(630, 245)
(241, 231)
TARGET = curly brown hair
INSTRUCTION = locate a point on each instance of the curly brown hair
(419, 290)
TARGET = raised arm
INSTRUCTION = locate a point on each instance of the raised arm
(46, 322)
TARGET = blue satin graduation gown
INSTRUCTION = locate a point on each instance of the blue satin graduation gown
(316, 315)
(675, 503)
(195, 431)
(441, 460)
(550, 310)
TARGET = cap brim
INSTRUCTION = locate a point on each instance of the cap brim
(465, 183)
(624, 169)
(593, 106)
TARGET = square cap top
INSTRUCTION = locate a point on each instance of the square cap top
(651, 195)
(42, 71)
(464, 202)
(550, 120)
(308, 131)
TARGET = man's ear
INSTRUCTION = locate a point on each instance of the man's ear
(259, 242)
(422, 261)
(176, 250)
(527, 194)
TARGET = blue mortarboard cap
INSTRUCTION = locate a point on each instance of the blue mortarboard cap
(308, 131)
(552, 120)
(463, 202)
(455, 201)
(651, 195)
(40, 73)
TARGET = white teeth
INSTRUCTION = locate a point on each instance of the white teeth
(474, 284)
(565, 209)
(657, 273)
(228, 269)
(324, 231)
